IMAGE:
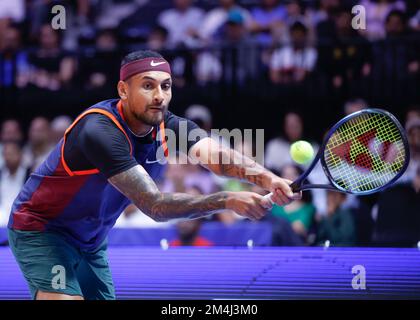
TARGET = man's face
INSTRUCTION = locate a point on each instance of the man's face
(11, 40)
(298, 38)
(235, 31)
(414, 138)
(293, 127)
(48, 38)
(394, 26)
(11, 131)
(148, 96)
(12, 155)
(39, 131)
(182, 4)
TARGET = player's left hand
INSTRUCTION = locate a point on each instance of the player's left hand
(282, 193)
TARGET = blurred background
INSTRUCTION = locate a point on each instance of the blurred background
(290, 67)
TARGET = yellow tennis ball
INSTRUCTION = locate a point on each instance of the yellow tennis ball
(301, 152)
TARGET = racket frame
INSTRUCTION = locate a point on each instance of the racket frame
(298, 184)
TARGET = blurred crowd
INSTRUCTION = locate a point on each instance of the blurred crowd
(282, 41)
(279, 43)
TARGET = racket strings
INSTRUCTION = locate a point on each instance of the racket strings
(365, 153)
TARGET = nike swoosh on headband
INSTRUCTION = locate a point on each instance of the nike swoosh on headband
(155, 64)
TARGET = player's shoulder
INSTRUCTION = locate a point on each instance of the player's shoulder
(100, 117)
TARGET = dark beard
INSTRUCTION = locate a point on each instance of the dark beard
(150, 119)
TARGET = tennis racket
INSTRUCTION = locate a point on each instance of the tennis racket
(365, 152)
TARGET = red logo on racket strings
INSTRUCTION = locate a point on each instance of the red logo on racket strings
(363, 159)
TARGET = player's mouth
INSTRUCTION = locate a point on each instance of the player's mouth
(156, 109)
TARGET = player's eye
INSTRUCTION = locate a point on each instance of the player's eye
(147, 86)
(166, 86)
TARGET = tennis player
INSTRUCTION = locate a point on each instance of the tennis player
(106, 160)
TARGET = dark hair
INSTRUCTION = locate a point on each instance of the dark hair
(138, 55)
(298, 26)
(160, 29)
(106, 31)
(397, 13)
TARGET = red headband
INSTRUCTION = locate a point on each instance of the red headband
(144, 65)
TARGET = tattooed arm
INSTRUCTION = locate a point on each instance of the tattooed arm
(230, 163)
(138, 186)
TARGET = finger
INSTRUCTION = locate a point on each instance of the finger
(285, 188)
(297, 195)
(250, 212)
(280, 199)
(283, 197)
(289, 182)
(252, 215)
(261, 211)
(261, 205)
(267, 202)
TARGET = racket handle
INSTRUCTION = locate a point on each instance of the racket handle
(296, 186)
(268, 197)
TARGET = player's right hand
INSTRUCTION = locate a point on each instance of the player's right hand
(247, 204)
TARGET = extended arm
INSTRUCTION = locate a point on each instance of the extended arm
(137, 185)
(228, 162)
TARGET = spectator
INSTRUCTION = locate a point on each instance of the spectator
(300, 213)
(377, 12)
(412, 128)
(189, 230)
(10, 12)
(188, 235)
(295, 12)
(396, 61)
(158, 39)
(13, 60)
(10, 131)
(59, 126)
(39, 143)
(52, 68)
(325, 9)
(182, 23)
(216, 18)
(99, 68)
(397, 215)
(338, 226)
(413, 112)
(237, 62)
(277, 151)
(265, 18)
(293, 63)
(240, 57)
(201, 115)
(181, 60)
(395, 24)
(12, 177)
(208, 69)
(414, 21)
(354, 105)
(345, 55)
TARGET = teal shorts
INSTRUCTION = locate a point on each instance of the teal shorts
(50, 264)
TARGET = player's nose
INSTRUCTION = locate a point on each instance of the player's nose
(158, 96)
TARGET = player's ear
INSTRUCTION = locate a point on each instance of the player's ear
(122, 88)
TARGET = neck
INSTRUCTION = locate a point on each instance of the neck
(136, 126)
(13, 170)
(39, 148)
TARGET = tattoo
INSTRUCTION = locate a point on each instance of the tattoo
(176, 205)
(242, 167)
(138, 186)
